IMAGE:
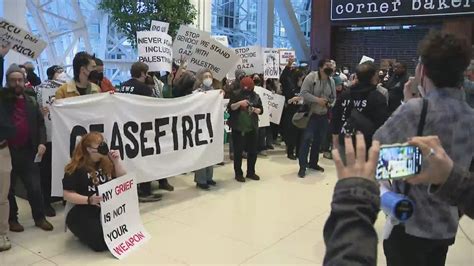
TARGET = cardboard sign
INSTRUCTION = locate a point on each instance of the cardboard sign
(275, 103)
(214, 56)
(271, 61)
(161, 26)
(222, 39)
(21, 40)
(366, 59)
(251, 59)
(154, 49)
(186, 41)
(285, 56)
(120, 216)
(263, 119)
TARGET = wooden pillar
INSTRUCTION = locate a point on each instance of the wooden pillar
(321, 31)
(462, 28)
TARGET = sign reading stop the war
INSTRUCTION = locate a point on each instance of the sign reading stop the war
(120, 216)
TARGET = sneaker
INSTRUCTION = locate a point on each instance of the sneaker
(317, 168)
(263, 153)
(49, 211)
(211, 183)
(327, 155)
(203, 186)
(15, 226)
(302, 172)
(240, 178)
(166, 186)
(292, 157)
(4, 243)
(253, 177)
(150, 198)
(44, 224)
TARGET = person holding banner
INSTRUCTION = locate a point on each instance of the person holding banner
(83, 66)
(91, 165)
(98, 77)
(244, 108)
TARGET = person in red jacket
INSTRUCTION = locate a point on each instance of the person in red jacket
(98, 77)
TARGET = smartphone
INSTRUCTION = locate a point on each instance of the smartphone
(398, 161)
(414, 87)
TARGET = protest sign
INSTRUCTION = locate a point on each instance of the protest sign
(222, 39)
(214, 56)
(154, 49)
(271, 61)
(21, 40)
(186, 41)
(161, 26)
(152, 135)
(366, 59)
(263, 119)
(285, 56)
(251, 59)
(275, 102)
(46, 93)
(120, 216)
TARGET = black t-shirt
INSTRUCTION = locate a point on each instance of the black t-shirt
(134, 86)
(81, 182)
(82, 91)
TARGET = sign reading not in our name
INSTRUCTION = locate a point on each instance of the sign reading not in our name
(377, 9)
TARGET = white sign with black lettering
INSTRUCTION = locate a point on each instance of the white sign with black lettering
(271, 61)
(263, 119)
(186, 41)
(275, 103)
(214, 56)
(21, 40)
(285, 56)
(161, 26)
(251, 59)
(222, 39)
(120, 216)
(154, 49)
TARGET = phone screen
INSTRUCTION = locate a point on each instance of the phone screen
(398, 162)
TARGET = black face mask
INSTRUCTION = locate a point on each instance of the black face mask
(257, 82)
(103, 148)
(95, 76)
(328, 71)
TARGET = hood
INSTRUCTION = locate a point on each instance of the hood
(359, 89)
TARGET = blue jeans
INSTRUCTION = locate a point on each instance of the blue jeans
(202, 176)
(314, 134)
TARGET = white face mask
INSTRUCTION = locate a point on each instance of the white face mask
(63, 77)
(207, 82)
(346, 72)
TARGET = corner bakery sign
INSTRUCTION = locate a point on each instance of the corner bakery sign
(376, 9)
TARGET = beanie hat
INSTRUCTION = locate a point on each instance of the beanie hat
(13, 68)
(239, 73)
(247, 84)
(52, 70)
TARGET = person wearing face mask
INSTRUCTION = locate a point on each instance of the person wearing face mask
(98, 77)
(91, 165)
(83, 65)
(244, 108)
(23, 114)
(45, 94)
(439, 76)
(318, 91)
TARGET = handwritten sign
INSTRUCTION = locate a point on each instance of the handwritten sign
(186, 41)
(251, 59)
(161, 26)
(222, 39)
(120, 216)
(271, 62)
(154, 49)
(275, 103)
(263, 119)
(21, 40)
(285, 56)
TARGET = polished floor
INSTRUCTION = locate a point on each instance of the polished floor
(275, 221)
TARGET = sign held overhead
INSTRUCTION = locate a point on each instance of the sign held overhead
(21, 40)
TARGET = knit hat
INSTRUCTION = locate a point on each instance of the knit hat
(239, 73)
(52, 70)
(247, 84)
(337, 80)
(13, 68)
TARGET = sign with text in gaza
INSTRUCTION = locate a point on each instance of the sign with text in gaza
(154, 49)
(214, 56)
(186, 41)
(252, 60)
(376, 9)
(21, 40)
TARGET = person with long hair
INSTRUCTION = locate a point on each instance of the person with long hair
(91, 165)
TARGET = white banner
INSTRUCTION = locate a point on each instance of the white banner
(263, 119)
(161, 26)
(285, 55)
(222, 39)
(120, 216)
(186, 41)
(154, 49)
(213, 55)
(47, 95)
(251, 59)
(22, 41)
(157, 138)
(275, 105)
(271, 61)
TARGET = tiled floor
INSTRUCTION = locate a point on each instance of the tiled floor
(278, 220)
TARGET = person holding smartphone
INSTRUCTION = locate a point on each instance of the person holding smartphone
(91, 165)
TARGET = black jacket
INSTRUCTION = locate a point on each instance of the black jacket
(2, 61)
(290, 90)
(395, 86)
(35, 118)
(238, 96)
(367, 100)
(133, 86)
